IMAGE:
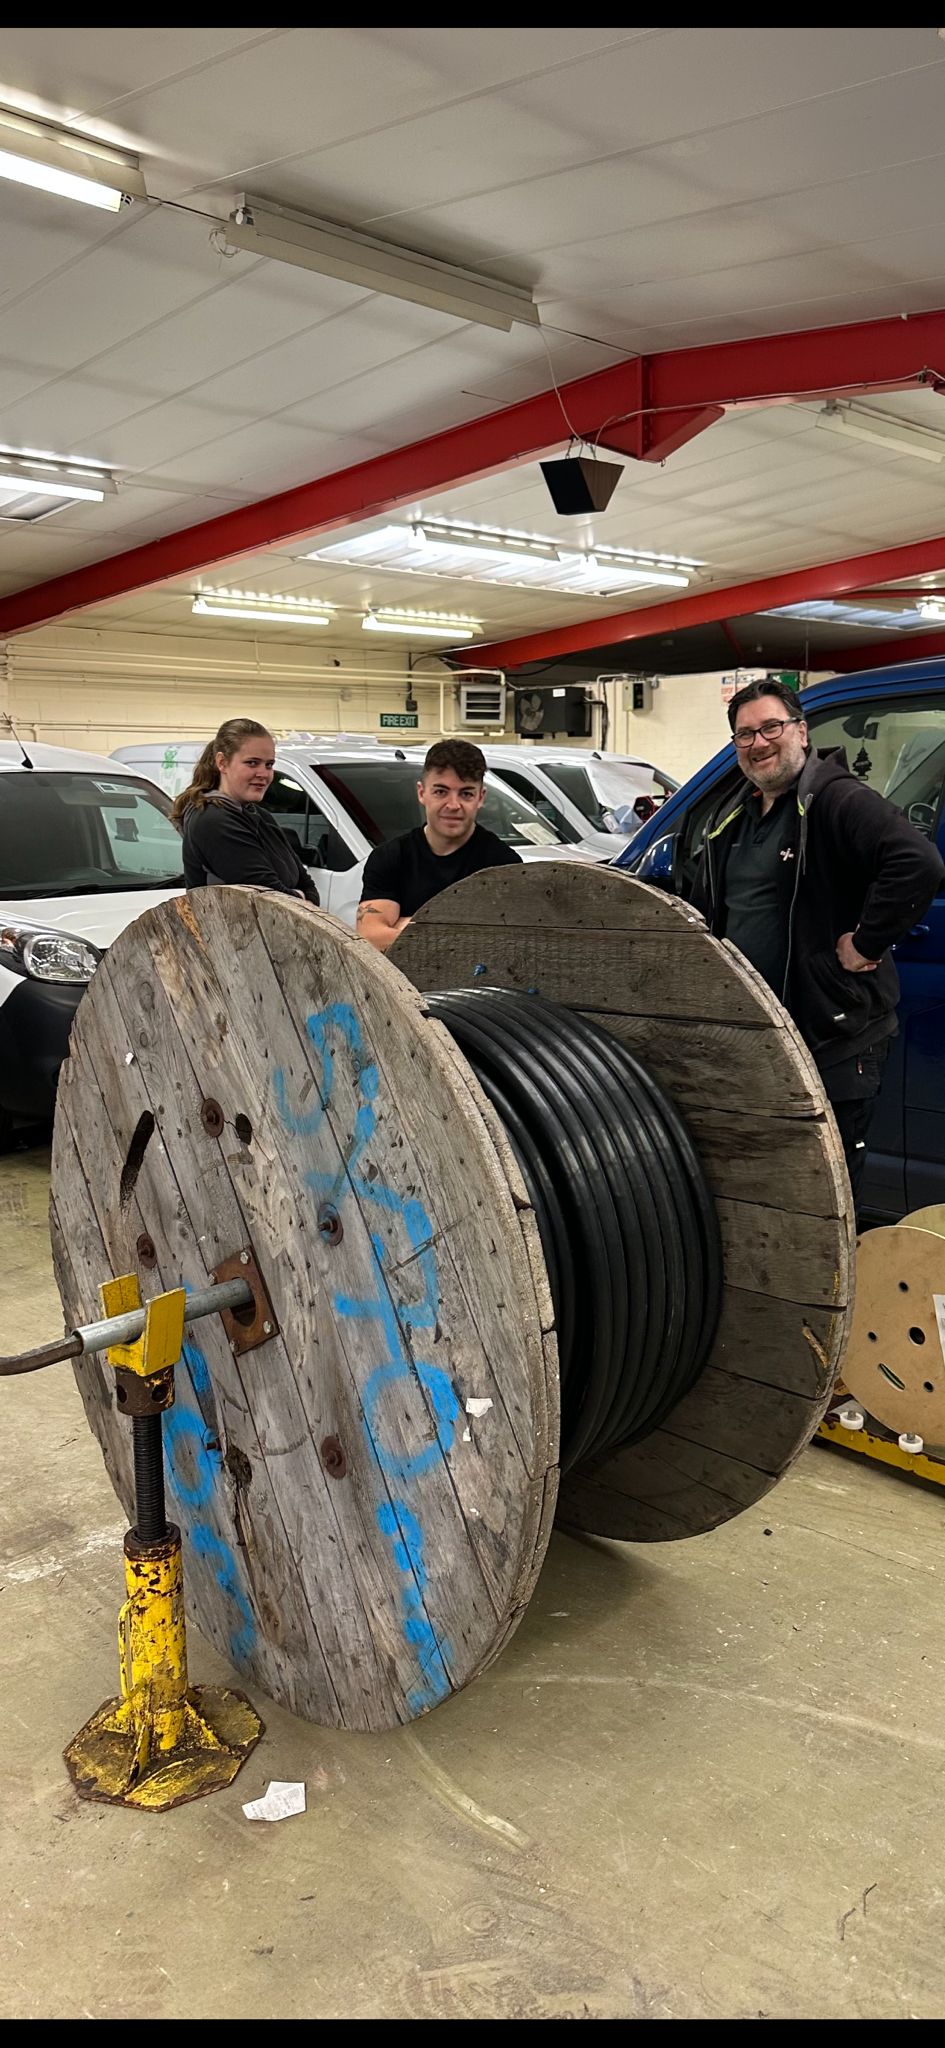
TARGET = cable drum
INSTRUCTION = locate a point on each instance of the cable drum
(628, 1226)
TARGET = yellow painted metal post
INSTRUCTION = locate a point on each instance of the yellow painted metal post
(162, 1741)
(152, 1645)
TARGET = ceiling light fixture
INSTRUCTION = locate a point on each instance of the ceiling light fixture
(420, 625)
(257, 605)
(491, 539)
(862, 423)
(57, 160)
(320, 245)
(462, 552)
(34, 487)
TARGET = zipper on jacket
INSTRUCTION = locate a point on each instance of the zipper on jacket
(710, 876)
(801, 858)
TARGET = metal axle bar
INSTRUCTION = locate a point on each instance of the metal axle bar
(125, 1329)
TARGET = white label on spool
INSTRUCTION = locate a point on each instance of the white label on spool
(939, 1300)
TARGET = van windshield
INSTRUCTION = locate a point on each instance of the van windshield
(381, 797)
(77, 834)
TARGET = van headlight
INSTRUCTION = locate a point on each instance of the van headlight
(45, 955)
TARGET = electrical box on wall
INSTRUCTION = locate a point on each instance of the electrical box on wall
(638, 692)
(544, 714)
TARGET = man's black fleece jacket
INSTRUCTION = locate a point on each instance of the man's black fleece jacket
(858, 866)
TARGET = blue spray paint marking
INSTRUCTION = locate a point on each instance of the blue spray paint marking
(192, 1470)
(395, 1520)
(208, 1544)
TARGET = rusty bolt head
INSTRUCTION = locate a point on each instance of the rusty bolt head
(333, 1458)
(329, 1223)
(211, 1117)
(144, 1247)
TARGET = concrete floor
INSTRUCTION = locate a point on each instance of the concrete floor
(704, 1780)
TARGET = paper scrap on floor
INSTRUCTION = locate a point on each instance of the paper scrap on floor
(279, 1802)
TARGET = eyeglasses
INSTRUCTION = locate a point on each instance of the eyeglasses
(771, 730)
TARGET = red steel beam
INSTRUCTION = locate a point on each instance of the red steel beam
(883, 653)
(739, 600)
(646, 407)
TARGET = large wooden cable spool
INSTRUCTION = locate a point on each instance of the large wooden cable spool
(367, 1495)
(642, 966)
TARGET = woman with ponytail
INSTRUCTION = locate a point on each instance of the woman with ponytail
(227, 835)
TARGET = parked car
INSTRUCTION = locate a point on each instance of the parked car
(613, 793)
(341, 798)
(84, 848)
(535, 779)
(891, 723)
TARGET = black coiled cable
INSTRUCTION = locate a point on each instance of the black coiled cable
(628, 1226)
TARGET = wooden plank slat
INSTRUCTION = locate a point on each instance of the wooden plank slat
(737, 1149)
(784, 1252)
(687, 1061)
(669, 973)
(563, 897)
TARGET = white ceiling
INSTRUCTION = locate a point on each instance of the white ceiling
(655, 188)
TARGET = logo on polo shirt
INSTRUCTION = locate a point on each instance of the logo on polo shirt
(787, 853)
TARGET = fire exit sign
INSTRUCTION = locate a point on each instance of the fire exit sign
(400, 719)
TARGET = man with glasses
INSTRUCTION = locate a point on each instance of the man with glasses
(814, 877)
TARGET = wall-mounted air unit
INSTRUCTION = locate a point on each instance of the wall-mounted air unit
(482, 699)
(545, 714)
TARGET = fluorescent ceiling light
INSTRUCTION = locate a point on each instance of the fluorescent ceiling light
(494, 555)
(17, 485)
(487, 539)
(320, 245)
(862, 423)
(248, 604)
(421, 625)
(54, 159)
(870, 614)
(34, 487)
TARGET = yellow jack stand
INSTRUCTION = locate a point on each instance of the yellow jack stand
(161, 1742)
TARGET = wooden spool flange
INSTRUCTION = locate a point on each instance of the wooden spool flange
(367, 1495)
(895, 1360)
(643, 966)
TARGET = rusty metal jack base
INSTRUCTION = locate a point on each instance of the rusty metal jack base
(162, 1741)
(220, 1729)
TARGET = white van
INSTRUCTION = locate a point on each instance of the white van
(614, 793)
(85, 846)
(342, 797)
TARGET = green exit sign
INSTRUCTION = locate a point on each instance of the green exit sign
(400, 719)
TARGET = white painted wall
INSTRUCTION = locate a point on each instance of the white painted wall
(70, 685)
(77, 686)
(687, 723)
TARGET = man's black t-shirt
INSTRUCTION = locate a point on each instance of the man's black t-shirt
(408, 872)
(756, 907)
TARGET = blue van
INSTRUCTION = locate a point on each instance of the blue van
(891, 724)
